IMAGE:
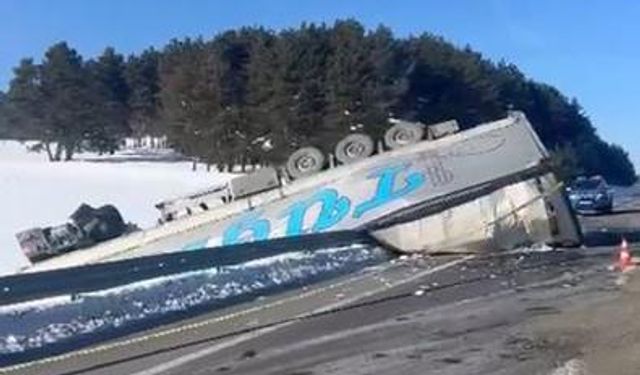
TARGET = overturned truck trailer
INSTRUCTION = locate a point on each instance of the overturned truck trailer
(484, 189)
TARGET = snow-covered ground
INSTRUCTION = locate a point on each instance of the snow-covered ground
(35, 192)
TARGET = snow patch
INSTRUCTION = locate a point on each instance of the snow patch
(572, 367)
(36, 192)
(36, 324)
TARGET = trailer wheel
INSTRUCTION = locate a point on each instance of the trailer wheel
(354, 147)
(402, 134)
(305, 162)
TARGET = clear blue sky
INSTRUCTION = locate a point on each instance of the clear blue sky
(588, 49)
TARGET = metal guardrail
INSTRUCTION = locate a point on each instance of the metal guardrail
(82, 279)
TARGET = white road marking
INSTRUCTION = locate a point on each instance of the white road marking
(204, 352)
(210, 350)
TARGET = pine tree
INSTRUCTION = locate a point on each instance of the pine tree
(234, 50)
(347, 70)
(448, 83)
(386, 81)
(299, 99)
(144, 93)
(264, 121)
(110, 95)
(4, 115)
(25, 98)
(192, 100)
(67, 99)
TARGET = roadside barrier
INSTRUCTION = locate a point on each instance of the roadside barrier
(100, 276)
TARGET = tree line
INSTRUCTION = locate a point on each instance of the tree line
(253, 95)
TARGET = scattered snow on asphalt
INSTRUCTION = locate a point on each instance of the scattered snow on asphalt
(34, 325)
(572, 367)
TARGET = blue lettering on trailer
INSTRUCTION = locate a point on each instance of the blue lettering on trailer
(333, 207)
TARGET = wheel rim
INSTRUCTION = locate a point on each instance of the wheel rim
(354, 147)
(305, 162)
(403, 134)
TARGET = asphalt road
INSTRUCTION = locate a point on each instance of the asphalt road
(417, 315)
(624, 221)
(386, 321)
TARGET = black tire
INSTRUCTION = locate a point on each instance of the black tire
(354, 147)
(305, 162)
(83, 215)
(403, 134)
(108, 225)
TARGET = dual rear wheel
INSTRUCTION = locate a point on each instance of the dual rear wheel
(354, 147)
(402, 134)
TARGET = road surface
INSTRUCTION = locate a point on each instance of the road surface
(534, 313)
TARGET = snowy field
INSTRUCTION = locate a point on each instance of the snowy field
(35, 192)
